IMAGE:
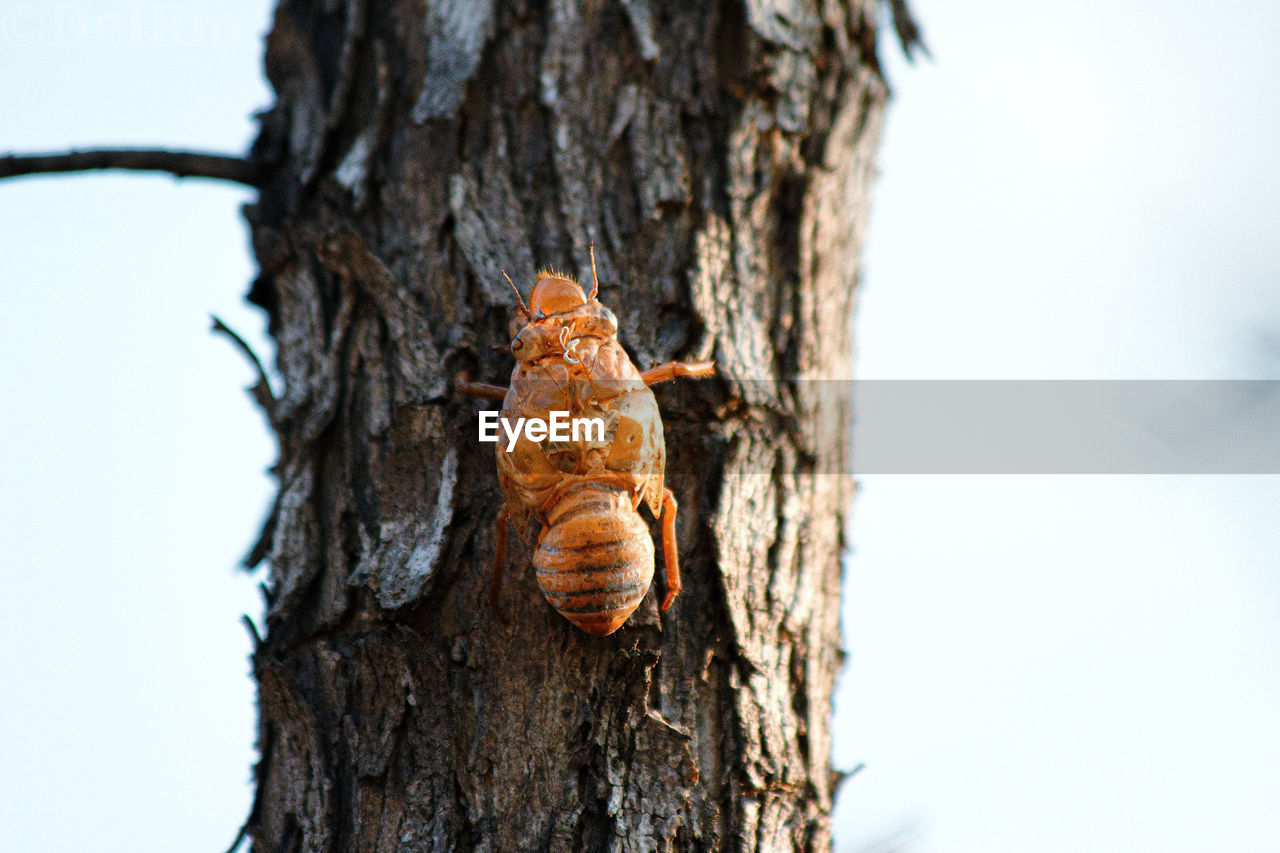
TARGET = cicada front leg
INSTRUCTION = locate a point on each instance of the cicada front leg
(464, 385)
(674, 369)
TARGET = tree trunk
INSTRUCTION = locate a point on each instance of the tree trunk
(719, 156)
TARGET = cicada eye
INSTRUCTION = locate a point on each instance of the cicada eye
(517, 345)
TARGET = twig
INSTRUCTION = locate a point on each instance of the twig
(235, 845)
(182, 164)
(909, 35)
(259, 774)
(253, 631)
(261, 391)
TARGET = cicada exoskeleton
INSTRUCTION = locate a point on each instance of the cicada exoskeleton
(595, 557)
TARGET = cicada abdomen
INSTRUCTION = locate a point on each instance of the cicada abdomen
(595, 559)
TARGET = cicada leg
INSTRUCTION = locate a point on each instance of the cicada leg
(669, 551)
(499, 561)
(464, 385)
(673, 369)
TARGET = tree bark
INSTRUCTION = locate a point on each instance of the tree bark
(719, 156)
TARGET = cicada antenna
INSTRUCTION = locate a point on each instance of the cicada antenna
(595, 282)
(523, 308)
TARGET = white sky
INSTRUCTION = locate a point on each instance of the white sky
(1071, 190)
(133, 467)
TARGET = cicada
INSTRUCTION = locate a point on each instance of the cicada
(594, 558)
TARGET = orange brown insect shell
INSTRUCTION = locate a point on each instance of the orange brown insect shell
(594, 556)
(555, 293)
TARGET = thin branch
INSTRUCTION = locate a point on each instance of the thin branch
(909, 35)
(183, 164)
(259, 774)
(254, 636)
(261, 390)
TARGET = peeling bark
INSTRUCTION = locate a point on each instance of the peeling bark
(719, 156)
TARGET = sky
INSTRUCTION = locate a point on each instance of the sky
(134, 465)
(1078, 190)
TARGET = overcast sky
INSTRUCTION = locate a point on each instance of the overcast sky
(1069, 190)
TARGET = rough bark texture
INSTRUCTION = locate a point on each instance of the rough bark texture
(719, 156)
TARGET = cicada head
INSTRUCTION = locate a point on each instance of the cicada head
(558, 314)
(558, 293)
(555, 293)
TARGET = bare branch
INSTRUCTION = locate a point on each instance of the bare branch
(261, 391)
(909, 35)
(255, 638)
(182, 164)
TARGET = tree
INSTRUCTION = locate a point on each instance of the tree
(719, 157)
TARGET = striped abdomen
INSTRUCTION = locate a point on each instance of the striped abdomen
(595, 561)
